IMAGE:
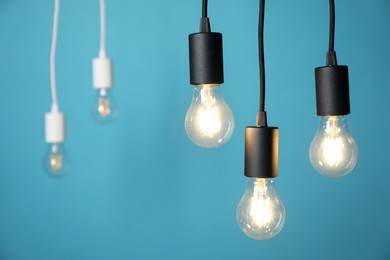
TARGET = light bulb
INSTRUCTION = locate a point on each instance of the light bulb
(261, 214)
(209, 121)
(56, 161)
(104, 109)
(333, 151)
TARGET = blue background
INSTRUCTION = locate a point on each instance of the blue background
(138, 188)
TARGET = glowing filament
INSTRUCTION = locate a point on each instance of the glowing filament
(209, 121)
(208, 115)
(261, 209)
(55, 162)
(332, 144)
(332, 150)
(104, 107)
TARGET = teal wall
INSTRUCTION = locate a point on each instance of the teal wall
(138, 188)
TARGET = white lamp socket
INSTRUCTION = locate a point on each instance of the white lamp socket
(54, 127)
(102, 73)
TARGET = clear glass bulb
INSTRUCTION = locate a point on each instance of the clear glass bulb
(209, 121)
(261, 214)
(56, 161)
(104, 109)
(333, 151)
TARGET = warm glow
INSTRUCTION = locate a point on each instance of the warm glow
(208, 120)
(332, 150)
(261, 211)
(56, 162)
(208, 115)
(104, 107)
(332, 144)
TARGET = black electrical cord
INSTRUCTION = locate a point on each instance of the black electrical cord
(331, 59)
(261, 55)
(331, 25)
(204, 9)
(261, 115)
(204, 21)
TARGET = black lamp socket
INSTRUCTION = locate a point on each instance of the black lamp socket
(332, 90)
(206, 58)
(261, 152)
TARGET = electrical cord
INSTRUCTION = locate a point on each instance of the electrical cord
(261, 55)
(204, 9)
(102, 50)
(331, 25)
(331, 59)
(261, 115)
(53, 54)
(204, 20)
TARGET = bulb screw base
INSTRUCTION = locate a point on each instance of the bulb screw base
(332, 90)
(206, 58)
(261, 152)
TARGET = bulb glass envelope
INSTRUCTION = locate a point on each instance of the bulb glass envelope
(209, 121)
(333, 151)
(261, 214)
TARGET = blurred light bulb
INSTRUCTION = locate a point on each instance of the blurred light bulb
(261, 214)
(209, 121)
(56, 162)
(103, 109)
(333, 151)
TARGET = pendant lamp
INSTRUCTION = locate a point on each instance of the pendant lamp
(333, 151)
(103, 109)
(209, 122)
(55, 161)
(261, 214)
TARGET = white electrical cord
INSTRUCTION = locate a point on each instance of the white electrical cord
(54, 120)
(53, 55)
(102, 51)
(102, 65)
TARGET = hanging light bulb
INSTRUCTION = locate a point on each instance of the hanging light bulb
(209, 121)
(55, 161)
(261, 214)
(333, 151)
(103, 109)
